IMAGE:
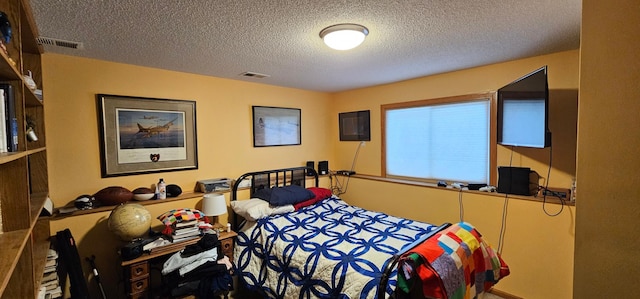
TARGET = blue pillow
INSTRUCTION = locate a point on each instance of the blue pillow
(287, 195)
(264, 194)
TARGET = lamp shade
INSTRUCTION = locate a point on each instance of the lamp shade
(214, 204)
(344, 36)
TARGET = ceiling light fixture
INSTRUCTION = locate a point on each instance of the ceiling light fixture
(344, 36)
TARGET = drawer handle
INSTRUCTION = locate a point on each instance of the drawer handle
(139, 270)
(139, 285)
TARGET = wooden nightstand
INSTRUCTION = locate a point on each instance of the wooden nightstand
(227, 242)
(137, 274)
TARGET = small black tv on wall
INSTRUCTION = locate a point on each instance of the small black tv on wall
(523, 111)
(354, 126)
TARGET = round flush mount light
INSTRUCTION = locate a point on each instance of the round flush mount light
(344, 36)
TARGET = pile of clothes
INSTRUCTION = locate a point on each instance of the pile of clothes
(199, 269)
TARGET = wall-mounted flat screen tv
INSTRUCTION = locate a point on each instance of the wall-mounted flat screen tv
(523, 111)
(354, 126)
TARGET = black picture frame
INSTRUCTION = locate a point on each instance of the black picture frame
(276, 126)
(141, 135)
(354, 126)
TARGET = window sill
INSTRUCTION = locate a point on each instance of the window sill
(550, 200)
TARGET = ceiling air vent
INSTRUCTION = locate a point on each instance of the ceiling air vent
(60, 43)
(254, 75)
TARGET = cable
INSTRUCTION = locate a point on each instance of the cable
(461, 205)
(353, 164)
(546, 187)
(503, 225)
(505, 204)
(337, 189)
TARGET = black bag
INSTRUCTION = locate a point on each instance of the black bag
(66, 245)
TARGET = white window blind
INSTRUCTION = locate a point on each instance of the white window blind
(448, 141)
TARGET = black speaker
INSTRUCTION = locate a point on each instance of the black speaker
(310, 164)
(517, 180)
(323, 167)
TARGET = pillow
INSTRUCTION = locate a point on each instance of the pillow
(320, 193)
(289, 195)
(281, 209)
(256, 208)
(241, 207)
(264, 194)
(306, 203)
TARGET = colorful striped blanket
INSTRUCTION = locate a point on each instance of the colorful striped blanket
(456, 263)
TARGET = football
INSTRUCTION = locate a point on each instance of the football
(114, 195)
(173, 190)
(143, 193)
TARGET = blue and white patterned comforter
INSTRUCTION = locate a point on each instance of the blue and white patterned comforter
(328, 250)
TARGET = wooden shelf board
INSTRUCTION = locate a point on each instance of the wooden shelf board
(31, 100)
(8, 157)
(7, 70)
(551, 200)
(183, 196)
(37, 203)
(11, 245)
(41, 247)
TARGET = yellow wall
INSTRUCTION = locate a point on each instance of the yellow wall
(537, 247)
(225, 147)
(607, 238)
(563, 85)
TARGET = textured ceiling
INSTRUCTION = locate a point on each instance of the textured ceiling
(223, 38)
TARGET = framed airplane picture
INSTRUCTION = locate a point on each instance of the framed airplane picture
(145, 135)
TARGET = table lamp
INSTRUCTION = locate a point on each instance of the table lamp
(214, 204)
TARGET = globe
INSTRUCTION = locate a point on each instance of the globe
(129, 221)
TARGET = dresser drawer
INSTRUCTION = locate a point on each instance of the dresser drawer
(140, 285)
(227, 247)
(139, 270)
(139, 295)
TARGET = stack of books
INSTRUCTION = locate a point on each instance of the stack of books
(8, 119)
(50, 287)
(185, 230)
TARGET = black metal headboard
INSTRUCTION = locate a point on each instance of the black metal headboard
(273, 178)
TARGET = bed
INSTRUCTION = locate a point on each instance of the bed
(321, 247)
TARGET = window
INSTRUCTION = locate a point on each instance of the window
(446, 139)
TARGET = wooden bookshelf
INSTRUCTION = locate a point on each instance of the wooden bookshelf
(24, 236)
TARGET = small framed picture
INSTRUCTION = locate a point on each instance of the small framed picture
(273, 126)
(145, 135)
(354, 126)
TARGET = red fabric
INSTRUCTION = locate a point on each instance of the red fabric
(432, 285)
(305, 203)
(320, 194)
(504, 269)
